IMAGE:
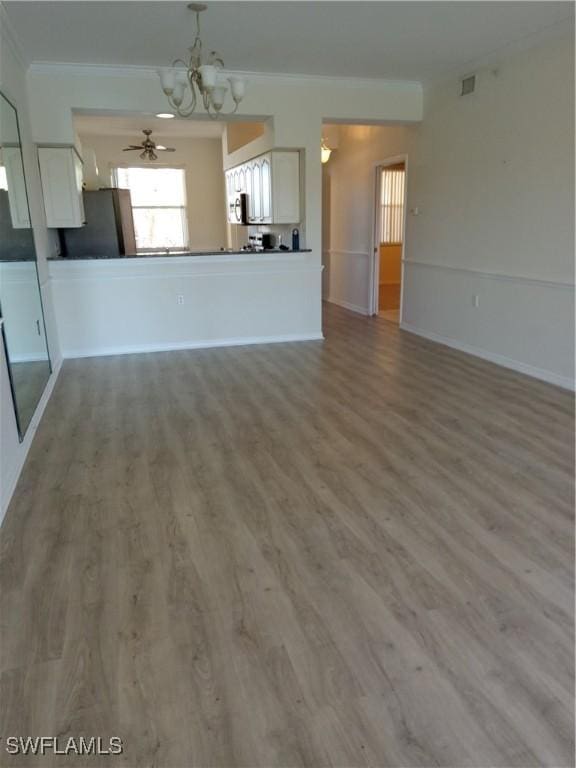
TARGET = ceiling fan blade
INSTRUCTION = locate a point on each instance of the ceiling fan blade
(166, 149)
(130, 149)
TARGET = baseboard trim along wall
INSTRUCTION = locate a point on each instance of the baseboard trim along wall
(13, 472)
(506, 362)
(347, 305)
(519, 322)
(207, 344)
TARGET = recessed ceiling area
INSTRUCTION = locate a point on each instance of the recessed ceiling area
(395, 40)
(132, 125)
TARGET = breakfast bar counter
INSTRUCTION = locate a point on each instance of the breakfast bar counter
(153, 302)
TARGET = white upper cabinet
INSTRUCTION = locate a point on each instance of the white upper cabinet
(272, 182)
(61, 174)
(17, 200)
(286, 187)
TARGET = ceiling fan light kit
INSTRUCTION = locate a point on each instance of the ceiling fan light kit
(201, 80)
(148, 147)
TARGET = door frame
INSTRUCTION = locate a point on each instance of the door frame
(373, 287)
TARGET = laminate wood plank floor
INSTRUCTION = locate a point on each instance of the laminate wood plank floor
(356, 552)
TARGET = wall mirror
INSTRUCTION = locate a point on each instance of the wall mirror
(23, 330)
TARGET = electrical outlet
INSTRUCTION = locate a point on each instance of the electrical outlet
(475, 301)
(180, 299)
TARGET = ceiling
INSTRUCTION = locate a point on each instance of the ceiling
(123, 125)
(395, 40)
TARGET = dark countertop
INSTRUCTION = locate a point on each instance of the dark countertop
(220, 252)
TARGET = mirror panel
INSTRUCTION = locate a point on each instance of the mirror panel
(23, 330)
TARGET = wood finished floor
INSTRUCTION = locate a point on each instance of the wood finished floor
(350, 553)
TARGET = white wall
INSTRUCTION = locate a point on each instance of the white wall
(492, 177)
(348, 201)
(12, 452)
(205, 190)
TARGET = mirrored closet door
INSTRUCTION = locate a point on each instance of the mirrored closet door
(23, 330)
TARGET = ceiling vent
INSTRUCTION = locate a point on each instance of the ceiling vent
(468, 85)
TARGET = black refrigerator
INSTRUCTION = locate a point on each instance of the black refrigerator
(109, 228)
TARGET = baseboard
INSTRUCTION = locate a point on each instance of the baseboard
(505, 362)
(31, 358)
(13, 473)
(347, 305)
(202, 344)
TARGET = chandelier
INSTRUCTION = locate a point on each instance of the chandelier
(203, 80)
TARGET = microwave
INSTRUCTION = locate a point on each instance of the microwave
(239, 209)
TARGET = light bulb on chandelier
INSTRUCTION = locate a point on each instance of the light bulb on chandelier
(201, 80)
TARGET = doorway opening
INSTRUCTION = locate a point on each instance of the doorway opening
(389, 235)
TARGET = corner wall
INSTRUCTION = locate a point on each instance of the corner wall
(12, 452)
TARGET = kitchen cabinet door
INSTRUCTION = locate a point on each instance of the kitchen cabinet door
(17, 200)
(257, 187)
(61, 176)
(266, 175)
(230, 197)
(250, 190)
(285, 187)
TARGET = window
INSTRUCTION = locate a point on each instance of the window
(158, 206)
(3, 179)
(392, 206)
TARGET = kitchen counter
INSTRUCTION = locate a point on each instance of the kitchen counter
(179, 254)
(148, 302)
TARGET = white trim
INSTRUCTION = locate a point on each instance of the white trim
(347, 305)
(13, 474)
(165, 267)
(506, 362)
(491, 275)
(75, 276)
(138, 349)
(30, 357)
(347, 253)
(132, 70)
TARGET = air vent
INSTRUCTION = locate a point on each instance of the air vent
(468, 85)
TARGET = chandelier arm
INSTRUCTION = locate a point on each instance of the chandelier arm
(232, 111)
(181, 110)
(187, 111)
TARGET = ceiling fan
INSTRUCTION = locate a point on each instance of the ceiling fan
(148, 147)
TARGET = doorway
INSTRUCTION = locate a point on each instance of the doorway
(389, 236)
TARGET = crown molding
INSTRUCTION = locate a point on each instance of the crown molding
(141, 71)
(9, 36)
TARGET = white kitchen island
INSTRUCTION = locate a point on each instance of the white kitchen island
(153, 303)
